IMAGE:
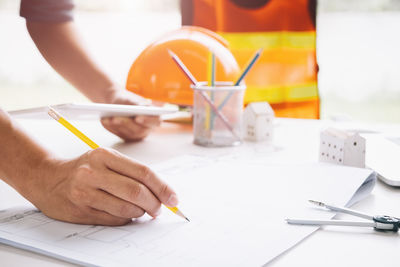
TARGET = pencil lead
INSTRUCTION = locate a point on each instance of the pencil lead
(187, 219)
(54, 114)
(318, 203)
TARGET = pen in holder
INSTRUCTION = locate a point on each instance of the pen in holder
(213, 126)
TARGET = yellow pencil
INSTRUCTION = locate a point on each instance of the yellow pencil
(210, 83)
(57, 116)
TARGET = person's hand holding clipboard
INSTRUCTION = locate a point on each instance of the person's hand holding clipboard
(128, 120)
(130, 128)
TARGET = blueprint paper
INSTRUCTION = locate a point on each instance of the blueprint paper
(236, 207)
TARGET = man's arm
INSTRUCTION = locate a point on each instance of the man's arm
(100, 187)
(63, 48)
(20, 156)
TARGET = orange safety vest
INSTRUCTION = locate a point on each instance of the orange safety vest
(286, 73)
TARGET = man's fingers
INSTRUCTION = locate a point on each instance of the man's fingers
(113, 205)
(88, 215)
(148, 121)
(135, 132)
(131, 191)
(121, 131)
(106, 122)
(137, 121)
(133, 195)
(143, 174)
(126, 128)
(99, 217)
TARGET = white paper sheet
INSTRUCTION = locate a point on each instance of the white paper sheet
(237, 210)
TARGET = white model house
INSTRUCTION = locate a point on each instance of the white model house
(258, 118)
(341, 147)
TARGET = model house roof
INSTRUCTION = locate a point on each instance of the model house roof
(260, 108)
(340, 133)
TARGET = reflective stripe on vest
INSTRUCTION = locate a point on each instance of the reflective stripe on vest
(292, 50)
(270, 40)
(279, 94)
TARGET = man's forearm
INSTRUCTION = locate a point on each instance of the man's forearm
(21, 158)
(62, 47)
(94, 188)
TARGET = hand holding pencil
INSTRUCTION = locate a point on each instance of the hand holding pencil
(102, 187)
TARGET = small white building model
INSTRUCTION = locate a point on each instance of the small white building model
(341, 147)
(258, 119)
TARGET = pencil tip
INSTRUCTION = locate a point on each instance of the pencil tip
(187, 219)
(53, 113)
(318, 203)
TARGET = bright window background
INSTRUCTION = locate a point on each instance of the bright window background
(358, 53)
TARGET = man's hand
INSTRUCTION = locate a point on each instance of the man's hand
(130, 129)
(100, 187)
(62, 47)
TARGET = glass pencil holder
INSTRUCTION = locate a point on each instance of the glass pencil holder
(217, 114)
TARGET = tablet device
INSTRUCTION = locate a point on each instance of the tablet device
(88, 111)
(383, 156)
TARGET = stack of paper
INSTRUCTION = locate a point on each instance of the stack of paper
(237, 211)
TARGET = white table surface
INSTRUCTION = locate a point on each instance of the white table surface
(330, 246)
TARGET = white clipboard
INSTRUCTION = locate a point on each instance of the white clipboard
(89, 111)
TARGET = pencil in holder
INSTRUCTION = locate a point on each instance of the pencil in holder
(216, 125)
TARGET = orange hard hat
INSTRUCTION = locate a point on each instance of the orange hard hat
(155, 75)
